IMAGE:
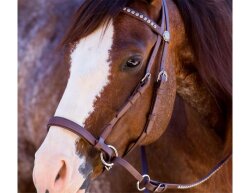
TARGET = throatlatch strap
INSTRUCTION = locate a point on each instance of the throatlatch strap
(156, 186)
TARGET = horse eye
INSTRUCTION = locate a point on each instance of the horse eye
(133, 62)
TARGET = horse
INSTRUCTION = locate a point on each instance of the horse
(108, 52)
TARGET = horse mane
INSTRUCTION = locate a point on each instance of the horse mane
(89, 16)
(208, 25)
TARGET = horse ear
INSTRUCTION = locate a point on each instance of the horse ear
(155, 2)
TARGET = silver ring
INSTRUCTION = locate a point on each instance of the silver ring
(138, 182)
(107, 165)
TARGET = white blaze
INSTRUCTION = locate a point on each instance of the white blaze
(89, 72)
(88, 76)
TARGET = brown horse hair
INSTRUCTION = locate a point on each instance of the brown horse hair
(208, 26)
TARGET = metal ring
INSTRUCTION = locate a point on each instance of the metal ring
(147, 75)
(138, 182)
(107, 165)
(162, 73)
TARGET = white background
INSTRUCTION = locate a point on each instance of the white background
(8, 96)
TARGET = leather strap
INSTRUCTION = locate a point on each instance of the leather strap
(80, 131)
(156, 186)
(158, 91)
(144, 163)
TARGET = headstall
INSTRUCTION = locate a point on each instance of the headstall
(143, 181)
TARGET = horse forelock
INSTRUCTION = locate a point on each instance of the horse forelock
(89, 16)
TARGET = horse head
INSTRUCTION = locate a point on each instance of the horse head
(108, 53)
(125, 71)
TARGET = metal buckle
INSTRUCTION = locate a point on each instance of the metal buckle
(107, 165)
(138, 182)
(158, 187)
(147, 76)
(162, 73)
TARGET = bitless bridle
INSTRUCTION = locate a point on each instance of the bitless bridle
(163, 38)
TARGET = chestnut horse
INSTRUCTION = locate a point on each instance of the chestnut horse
(108, 52)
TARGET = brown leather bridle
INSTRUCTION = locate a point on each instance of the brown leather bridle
(163, 38)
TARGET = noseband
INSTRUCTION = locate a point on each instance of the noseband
(163, 38)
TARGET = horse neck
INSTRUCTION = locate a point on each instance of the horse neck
(205, 118)
(188, 149)
(196, 135)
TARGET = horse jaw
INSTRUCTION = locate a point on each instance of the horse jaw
(89, 73)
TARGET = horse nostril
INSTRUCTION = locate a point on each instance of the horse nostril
(57, 177)
(62, 172)
(46, 191)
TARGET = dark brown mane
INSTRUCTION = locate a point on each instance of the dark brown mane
(90, 15)
(208, 26)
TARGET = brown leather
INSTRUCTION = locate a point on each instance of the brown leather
(82, 132)
(141, 89)
(160, 186)
(138, 92)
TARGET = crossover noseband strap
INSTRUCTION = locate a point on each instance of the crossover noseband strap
(144, 181)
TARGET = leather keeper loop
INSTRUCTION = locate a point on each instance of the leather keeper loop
(100, 145)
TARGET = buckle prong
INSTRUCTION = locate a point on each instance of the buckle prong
(162, 73)
(159, 186)
(147, 75)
